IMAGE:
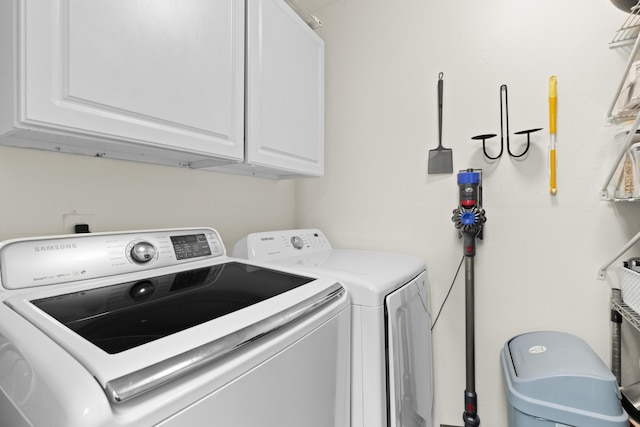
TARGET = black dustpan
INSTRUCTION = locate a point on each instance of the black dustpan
(440, 158)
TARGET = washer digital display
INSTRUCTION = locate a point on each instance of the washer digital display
(190, 246)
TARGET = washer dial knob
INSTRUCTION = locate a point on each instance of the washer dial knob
(143, 252)
(297, 242)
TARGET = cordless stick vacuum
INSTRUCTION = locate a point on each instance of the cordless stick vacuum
(469, 218)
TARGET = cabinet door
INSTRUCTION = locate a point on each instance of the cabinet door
(167, 74)
(285, 90)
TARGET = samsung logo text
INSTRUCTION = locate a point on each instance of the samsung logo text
(51, 248)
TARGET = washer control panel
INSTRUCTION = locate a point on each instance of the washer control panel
(60, 259)
(272, 245)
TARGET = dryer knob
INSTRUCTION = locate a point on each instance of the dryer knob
(297, 242)
(143, 252)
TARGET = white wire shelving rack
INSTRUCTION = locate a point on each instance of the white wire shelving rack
(627, 312)
(628, 33)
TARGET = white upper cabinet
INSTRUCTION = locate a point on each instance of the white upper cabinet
(146, 80)
(165, 81)
(285, 94)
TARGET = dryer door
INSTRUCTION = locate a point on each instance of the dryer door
(409, 355)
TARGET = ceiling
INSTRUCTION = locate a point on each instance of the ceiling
(315, 5)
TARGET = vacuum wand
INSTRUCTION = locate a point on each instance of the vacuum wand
(469, 218)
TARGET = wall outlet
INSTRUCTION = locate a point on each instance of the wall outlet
(70, 220)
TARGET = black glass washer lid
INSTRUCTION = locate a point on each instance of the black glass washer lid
(123, 316)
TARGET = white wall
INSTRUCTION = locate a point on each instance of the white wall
(536, 268)
(39, 187)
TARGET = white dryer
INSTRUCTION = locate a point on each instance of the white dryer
(392, 381)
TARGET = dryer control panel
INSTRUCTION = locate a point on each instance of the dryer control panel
(274, 245)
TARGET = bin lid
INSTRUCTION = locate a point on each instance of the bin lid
(556, 372)
(545, 355)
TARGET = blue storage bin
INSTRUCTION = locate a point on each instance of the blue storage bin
(555, 379)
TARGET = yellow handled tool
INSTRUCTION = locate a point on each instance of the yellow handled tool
(553, 101)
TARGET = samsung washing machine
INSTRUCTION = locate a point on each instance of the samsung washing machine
(391, 370)
(160, 328)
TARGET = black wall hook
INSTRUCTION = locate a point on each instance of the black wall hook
(504, 129)
(504, 114)
(522, 132)
(484, 137)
